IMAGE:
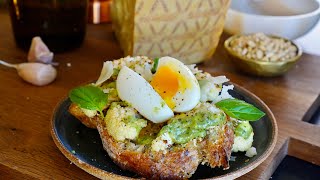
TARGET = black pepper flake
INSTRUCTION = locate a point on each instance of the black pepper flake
(186, 153)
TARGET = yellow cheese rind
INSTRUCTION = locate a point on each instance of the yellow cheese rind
(122, 15)
(188, 30)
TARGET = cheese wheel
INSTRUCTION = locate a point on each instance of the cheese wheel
(188, 30)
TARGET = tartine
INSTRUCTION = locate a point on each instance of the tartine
(173, 146)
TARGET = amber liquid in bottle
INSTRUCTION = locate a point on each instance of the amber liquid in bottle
(60, 23)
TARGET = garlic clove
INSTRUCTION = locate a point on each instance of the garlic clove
(37, 73)
(39, 52)
(45, 57)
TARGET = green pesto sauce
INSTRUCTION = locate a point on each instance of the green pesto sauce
(116, 71)
(145, 140)
(244, 129)
(134, 122)
(111, 85)
(149, 133)
(183, 128)
(108, 84)
(113, 93)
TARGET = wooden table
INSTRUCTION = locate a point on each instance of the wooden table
(28, 151)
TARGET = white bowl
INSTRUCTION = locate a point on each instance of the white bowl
(285, 18)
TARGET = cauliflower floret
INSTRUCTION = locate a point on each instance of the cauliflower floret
(251, 152)
(242, 144)
(110, 89)
(112, 94)
(161, 143)
(122, 122)
(141, 64)
(144, 70)
(110, 70)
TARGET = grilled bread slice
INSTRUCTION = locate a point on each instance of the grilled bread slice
(178, 162)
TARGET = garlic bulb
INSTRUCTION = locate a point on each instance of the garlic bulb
(39, 52)
(35, 73)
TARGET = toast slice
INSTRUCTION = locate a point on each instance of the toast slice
(179, 162)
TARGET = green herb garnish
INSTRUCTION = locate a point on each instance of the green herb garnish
(240, 110)
(89, 97)
(155, 65)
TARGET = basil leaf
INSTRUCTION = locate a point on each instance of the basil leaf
(155, 65)
(240, 109)
(89, 97)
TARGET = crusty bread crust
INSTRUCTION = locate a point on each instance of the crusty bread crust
(179, 162)
(78, 113)
(217, 154)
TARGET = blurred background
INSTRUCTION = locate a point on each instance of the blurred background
(309, 41)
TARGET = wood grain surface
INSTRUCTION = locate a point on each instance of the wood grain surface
(28, 151)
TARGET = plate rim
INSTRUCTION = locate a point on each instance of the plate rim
(97, 172)
(102, 174)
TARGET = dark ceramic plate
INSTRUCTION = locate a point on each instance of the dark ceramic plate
(83, 147)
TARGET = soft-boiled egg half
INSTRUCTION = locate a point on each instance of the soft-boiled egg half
(173, 88)
(176, 84)
(135, 90)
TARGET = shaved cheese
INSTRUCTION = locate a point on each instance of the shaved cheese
(106, 72)
(224, 94)
(218, 79)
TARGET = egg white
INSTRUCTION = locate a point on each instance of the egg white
(135, 90)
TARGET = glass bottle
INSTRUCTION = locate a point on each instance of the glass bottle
(60, 23)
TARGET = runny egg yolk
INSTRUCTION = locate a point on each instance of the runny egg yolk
(167, 82)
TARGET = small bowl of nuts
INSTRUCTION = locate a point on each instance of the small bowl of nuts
(262, 55)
